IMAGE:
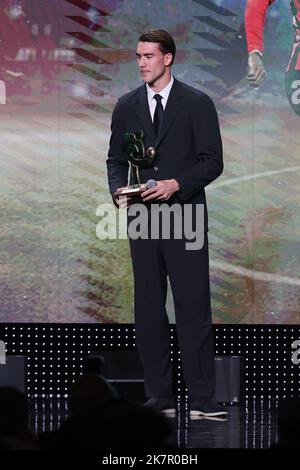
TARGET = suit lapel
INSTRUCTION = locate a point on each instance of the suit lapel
(141, 108)
(172, 110)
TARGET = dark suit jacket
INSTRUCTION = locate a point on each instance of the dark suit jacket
(188, 148)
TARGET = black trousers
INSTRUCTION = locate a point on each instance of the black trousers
(188, 271)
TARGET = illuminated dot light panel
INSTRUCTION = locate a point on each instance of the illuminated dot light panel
(55, 354)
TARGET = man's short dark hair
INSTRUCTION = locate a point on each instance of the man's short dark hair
(163, 38)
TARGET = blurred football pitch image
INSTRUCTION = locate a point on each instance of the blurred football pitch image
(55, 269)
(62, 69)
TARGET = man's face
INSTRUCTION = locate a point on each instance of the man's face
(153, 64)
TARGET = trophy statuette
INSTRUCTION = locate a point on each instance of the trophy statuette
(138, 158)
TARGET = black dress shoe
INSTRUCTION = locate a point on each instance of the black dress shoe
(206, 407)
(164, 405)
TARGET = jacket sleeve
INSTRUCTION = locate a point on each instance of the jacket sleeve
(117, 164)
(209, 150)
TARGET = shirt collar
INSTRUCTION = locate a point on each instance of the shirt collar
(164, 92)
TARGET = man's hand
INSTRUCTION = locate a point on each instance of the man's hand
(256, 74)
(123, 201)
(163, 190)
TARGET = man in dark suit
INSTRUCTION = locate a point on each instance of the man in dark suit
(182, 124)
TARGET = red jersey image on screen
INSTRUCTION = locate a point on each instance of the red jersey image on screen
(255, 17)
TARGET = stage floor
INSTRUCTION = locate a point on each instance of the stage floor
(250, 424)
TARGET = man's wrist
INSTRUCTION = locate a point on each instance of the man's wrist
(177, 185)
(256, 52)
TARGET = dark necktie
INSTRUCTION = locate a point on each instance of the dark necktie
(158, 114)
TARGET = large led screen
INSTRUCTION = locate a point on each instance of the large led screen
(63, 65)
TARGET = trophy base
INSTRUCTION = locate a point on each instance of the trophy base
(134, 190)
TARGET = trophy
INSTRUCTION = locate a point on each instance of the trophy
(138, 158)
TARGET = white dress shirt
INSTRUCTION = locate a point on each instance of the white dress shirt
(164, 93)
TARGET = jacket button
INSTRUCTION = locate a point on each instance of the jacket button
(155, 168)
